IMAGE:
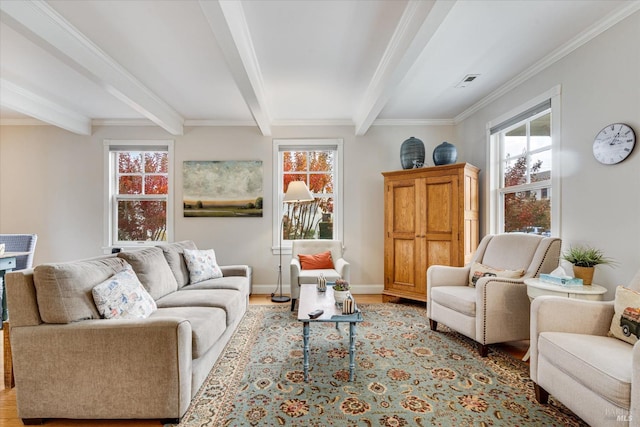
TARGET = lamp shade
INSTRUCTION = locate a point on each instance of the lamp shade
(297, 192)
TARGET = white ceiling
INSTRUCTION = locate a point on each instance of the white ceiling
(177, 63)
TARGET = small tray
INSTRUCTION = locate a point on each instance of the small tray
(562, 281)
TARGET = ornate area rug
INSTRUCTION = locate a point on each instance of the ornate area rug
(406, 375)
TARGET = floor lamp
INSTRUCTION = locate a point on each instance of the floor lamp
(296, 192)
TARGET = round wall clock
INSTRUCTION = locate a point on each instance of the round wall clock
(614, 143)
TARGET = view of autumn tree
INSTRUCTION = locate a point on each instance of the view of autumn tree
(300, 220)
(143, 173)
(523, 210)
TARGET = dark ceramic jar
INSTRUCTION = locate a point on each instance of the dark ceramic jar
(412, 153)
(445, 154)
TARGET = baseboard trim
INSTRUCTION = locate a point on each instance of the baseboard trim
(355, 289)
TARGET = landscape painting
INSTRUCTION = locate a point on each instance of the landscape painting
(230, 188)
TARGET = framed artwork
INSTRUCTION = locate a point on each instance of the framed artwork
(229, 188)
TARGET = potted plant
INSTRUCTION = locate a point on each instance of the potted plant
(584, 260)
(341, 290)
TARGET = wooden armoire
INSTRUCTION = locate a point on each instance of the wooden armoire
(430, 217)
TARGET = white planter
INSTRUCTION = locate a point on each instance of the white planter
(340, 296)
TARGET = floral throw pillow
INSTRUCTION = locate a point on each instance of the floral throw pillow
(122, 296)
(202, 265)
(625, 324)
(480, 270)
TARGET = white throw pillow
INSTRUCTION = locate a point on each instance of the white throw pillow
(202, 265)
(480, 270)
(122, 296)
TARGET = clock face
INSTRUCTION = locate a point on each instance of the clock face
(614, 143)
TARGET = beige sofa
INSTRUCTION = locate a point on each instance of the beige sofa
(574, 359)
(70, 363)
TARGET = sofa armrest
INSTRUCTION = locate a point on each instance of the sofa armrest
(502, 310)
(444, 275)
(560, 314)
(343, 268)
(635, 386)
(294, 273)
(66, 369)
(236, 270)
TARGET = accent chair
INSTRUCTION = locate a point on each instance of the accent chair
(298, 276)
(496, 309)
(573, 358)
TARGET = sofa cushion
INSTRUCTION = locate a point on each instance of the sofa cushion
(311, 276)
(319, 261)
(207, 325)
(480, 270)
(174, 254)
(458, 298)
(232, 302)
(601, 364)
(238, 283)
(202, 265)
(625, 324)
(122, 296)
(152, 269)
(63, 290)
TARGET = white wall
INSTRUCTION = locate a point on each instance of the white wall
(51, 180)
(51, 183)
(600, 204)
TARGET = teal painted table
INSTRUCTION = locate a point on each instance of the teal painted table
(311, 299)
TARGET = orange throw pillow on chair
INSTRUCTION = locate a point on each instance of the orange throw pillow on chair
(316, 262)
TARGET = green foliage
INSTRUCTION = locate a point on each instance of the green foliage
(523, 210)
(341, 285)
(584, 256)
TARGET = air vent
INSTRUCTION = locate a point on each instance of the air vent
(467, 80)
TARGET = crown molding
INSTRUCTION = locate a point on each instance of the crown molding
(413, 122)
(601, 26)
(313, 122)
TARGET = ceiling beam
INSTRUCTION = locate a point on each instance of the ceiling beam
(56, 35)
(229, 25)
(419, 22)
(24, 101)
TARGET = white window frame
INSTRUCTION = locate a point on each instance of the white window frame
(278, 205)
(111, 185)
(494, 211)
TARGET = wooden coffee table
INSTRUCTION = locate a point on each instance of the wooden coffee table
(311, 299)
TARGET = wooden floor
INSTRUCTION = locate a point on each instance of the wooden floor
(9, 416)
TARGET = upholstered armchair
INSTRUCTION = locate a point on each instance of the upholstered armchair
(574, 359)
(497, 308)
(311, 247)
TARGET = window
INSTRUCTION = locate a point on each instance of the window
(139, 191)
(524, 180)
(319, 164)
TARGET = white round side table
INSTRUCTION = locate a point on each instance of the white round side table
(536, 288)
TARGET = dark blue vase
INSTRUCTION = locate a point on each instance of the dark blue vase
(445, 154)
(412, 153)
